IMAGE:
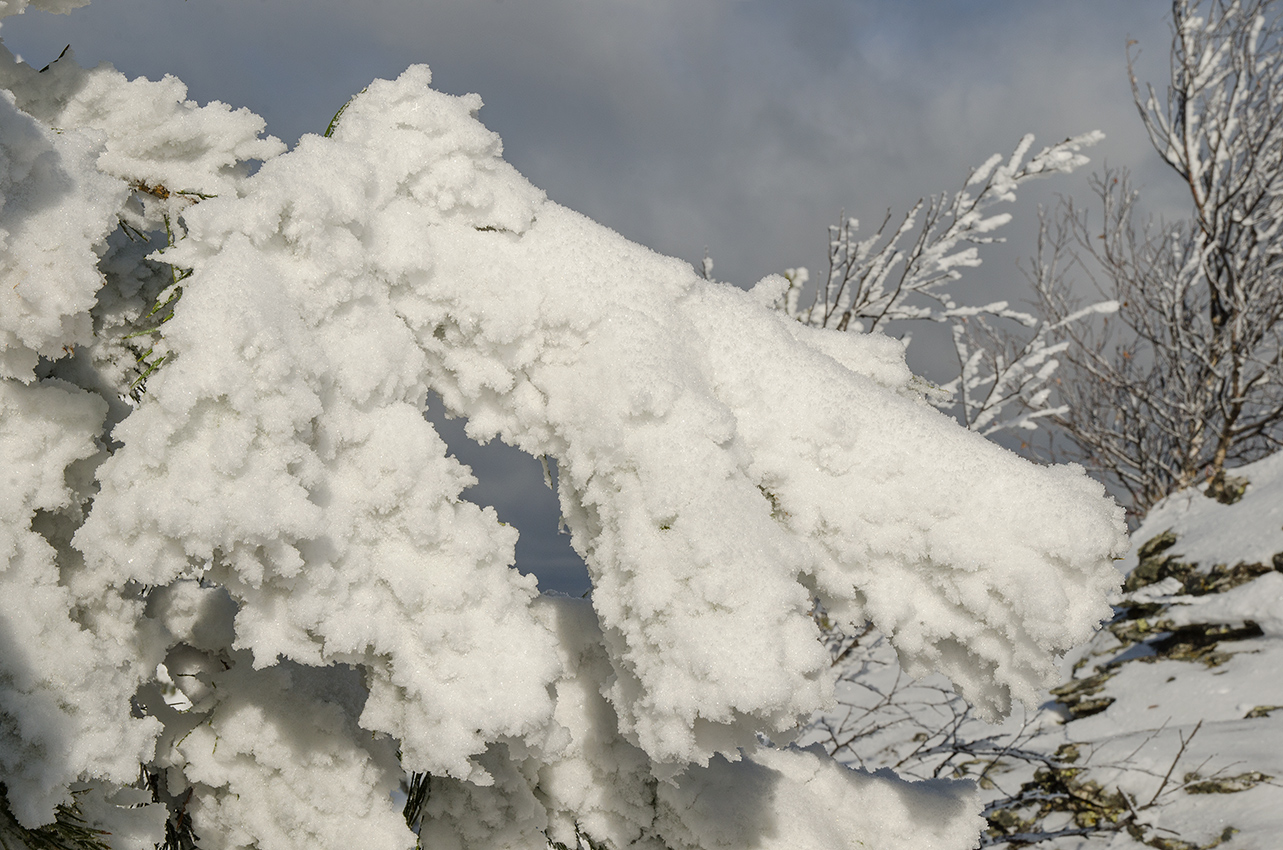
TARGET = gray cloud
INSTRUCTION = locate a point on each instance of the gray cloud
(745, 126)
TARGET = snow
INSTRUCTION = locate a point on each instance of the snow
(54, 208)
(65, 704)
(149, 133)
(1260, 602)
(792, 798)
(1210, 532)
(1211, 706)
(600, 785)
(279, 759)
(278, 558)
(1192, 737)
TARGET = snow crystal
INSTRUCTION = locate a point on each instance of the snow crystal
(128, 817)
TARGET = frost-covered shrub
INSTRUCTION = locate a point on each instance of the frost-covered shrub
(259, 580)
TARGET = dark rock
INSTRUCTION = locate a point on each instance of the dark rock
(1221, 578)
(1157, 544)
(1261, 711)
(1224, 784)
(1197, 642)
(1155, 564)
(1078, 696)
(1226, 489)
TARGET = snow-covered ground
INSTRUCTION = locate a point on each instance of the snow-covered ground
(1168, 730)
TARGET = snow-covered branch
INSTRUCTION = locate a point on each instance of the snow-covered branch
(258, 579)
(1186, 379)
(905, 274)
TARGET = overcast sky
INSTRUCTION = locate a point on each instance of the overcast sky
(738, 126)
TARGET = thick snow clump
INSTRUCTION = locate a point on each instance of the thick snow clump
(278, 565)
